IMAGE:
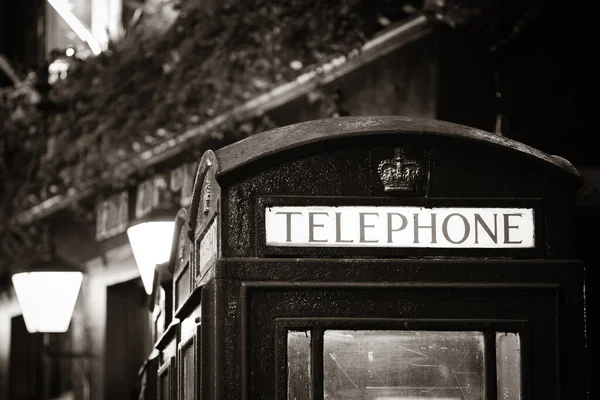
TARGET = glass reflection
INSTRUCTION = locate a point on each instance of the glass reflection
(403, 365)
(188, 373)
(298, 355)
(508, 365)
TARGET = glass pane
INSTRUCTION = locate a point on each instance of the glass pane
(183, 286)
(298, 356)
(403, 365)
(165, 387)
(508, 365)
(188, 383)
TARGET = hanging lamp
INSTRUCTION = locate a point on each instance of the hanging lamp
(47, 290)
(151, 238)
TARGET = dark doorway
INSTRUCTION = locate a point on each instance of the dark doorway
(128, 341)
(26, 362)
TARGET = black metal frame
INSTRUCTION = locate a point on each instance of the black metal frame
(181, 265)
(317, 327)
(190, 339)
(199, 363)
(167, 360)
(529, 327)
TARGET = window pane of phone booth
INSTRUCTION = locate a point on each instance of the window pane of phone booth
(508, 365)
(402, 365)
(183, 287)
(165, 385)
(298, 363)
(187, 373)
(158, 315)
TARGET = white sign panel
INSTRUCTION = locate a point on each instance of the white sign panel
(372, 226)
(208, 247)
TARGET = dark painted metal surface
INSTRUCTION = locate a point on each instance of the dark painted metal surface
(148, 377)
(277, 140)
(471, 167)
(167, 362)
(479, 295)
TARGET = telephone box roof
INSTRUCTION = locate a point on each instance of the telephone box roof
(289, 137)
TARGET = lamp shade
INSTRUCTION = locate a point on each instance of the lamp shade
(47, 298)
(151, 243)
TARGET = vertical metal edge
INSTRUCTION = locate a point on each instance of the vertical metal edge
(316, 362)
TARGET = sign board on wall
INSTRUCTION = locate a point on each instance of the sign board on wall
(400, 227)
(113, 213)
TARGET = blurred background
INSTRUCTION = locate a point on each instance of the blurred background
(107, 105)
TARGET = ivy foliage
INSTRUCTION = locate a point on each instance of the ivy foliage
(178, 68)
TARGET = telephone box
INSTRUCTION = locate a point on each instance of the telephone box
(384, 258)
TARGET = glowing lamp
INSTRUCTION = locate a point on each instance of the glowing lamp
(151, 241)
(47, 295)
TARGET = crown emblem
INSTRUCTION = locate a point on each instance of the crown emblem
(206, 198)
(399, 174)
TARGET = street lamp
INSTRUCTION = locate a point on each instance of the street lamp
(47, 294)
(151, 238)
